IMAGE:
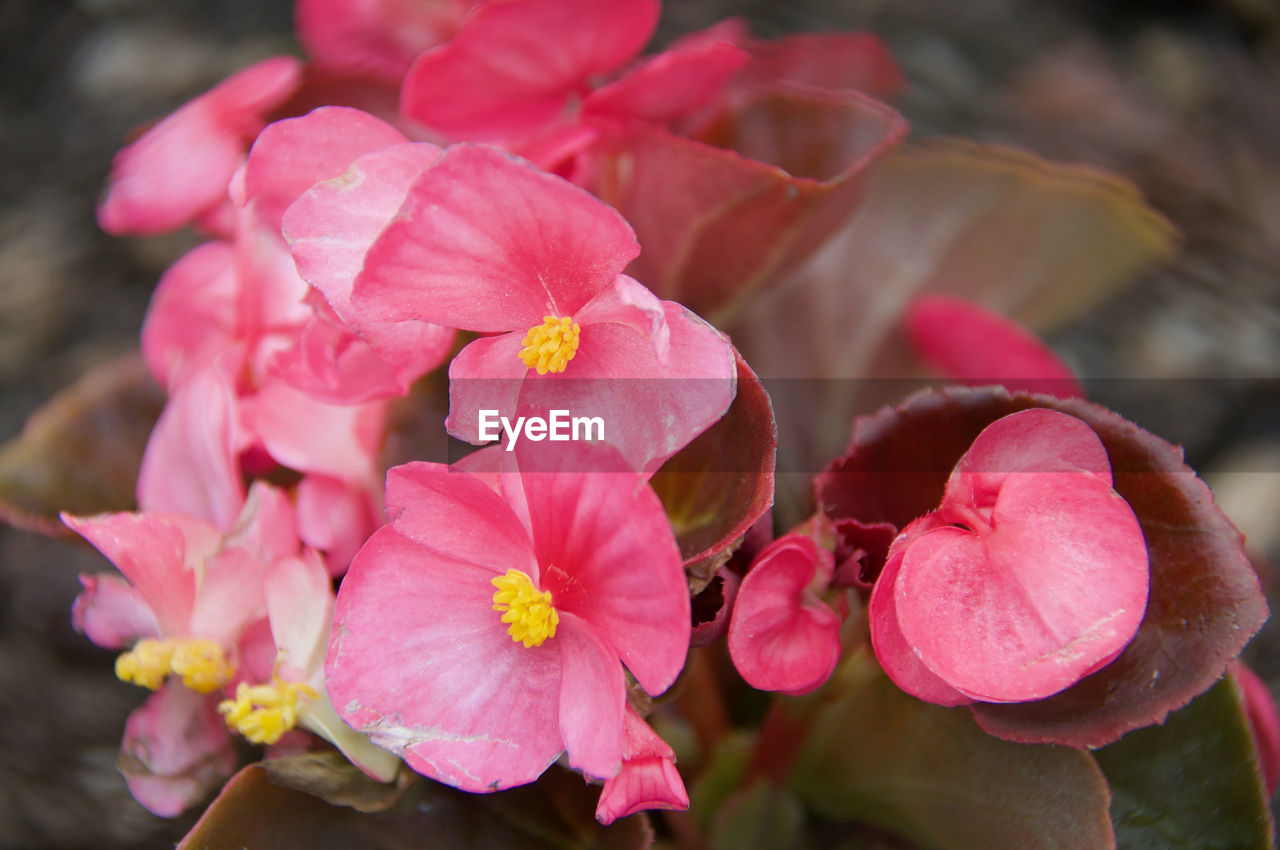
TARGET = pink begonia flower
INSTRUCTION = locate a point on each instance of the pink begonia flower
(177, 172)
(969, 343)
(1031, 574)
(515, 64)
(185, 608)
(216, 321)
(648, 778)
(330, 223)
(482, 633)
(378, 39)
(511, 76)
(486, 242)
(782, 636)
(299, 596)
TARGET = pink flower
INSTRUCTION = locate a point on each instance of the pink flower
(299, 596)
(1030, 575)
(648, 778)
(969, 343)
(782, 636)
(483, 633)
(186, 608)
(177, 171)
(378, 39)
(486, 242)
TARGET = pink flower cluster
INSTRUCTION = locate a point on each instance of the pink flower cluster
(527, 603)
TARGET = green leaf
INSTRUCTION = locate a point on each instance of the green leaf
(1191, 784)
(81, 451)
(929, 773)
(556, 812)
(762, 817)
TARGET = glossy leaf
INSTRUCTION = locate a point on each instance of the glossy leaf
(719, 219)
(253, 811)
(928, 773)
(80, 452)
(720, 484)
(1034, 240)
(1191, 783)
(1204, 603)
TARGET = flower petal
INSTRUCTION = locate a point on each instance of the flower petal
(608, 555)
(487, 242)
(1029, 608)
(592, 699)
(782, 636)
(421, 663)
(175, 750)
(111, 612)
(458, 516)
(513, 65)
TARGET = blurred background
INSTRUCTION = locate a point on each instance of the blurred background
(1181, 97)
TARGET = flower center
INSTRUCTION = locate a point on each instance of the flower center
(550, 346)
(263, 713)
(528, 611)
(201, 663)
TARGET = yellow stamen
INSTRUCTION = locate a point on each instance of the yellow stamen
(528, 611)
(199, 661)
(202, 665)
(263, 713)
(550, 346)
(147, 663)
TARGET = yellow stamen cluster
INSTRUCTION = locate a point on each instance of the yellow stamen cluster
(550, 346)
(201, 663)
(528, 611)
(263, 713)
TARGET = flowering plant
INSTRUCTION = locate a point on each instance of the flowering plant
(670, 598)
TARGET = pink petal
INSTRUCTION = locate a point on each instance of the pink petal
(192, 315)
(486, 242)
(894, 653)
(628, 302)
(266, 526)
(111, 612)
(190, 466)
(669, 86)
(311, 436)
(149, 550)
(782, 636)
(648, 779)
(1027, 609)
(421, 663)
(969, 343)
(592, 699)
(1034, 440)
(175, 750)
(459, 516)
(608, 555)
(486, 375)
(375, 38)
(299, 600)
(292, 155)
(335, 517)
(650, 409)
(1264, 722)
(331, 227)
(230, 597)
(179, 169)
(513, 65)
